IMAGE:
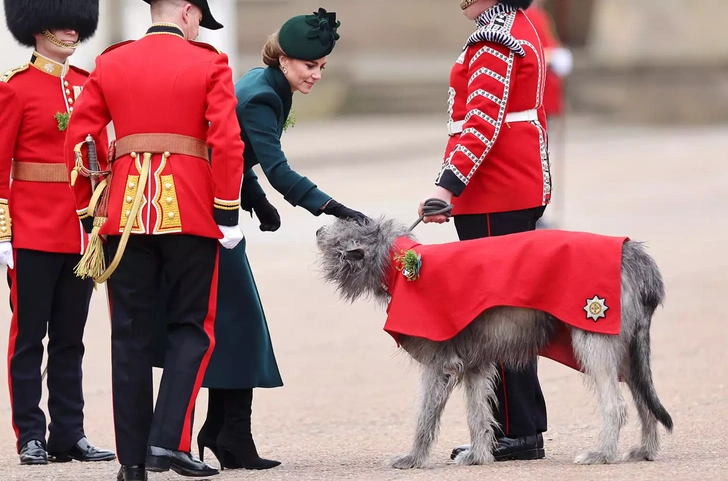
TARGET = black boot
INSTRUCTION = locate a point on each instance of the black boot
(207, 437)
(235, 438)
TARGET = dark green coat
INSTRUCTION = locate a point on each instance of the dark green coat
(264, 103)
(243, 356)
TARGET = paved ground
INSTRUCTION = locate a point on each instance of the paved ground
(347, 405)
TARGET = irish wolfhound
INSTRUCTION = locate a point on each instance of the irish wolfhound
(357, 259)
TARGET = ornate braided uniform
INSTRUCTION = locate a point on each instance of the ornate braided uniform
(496, 165)
(497, 159)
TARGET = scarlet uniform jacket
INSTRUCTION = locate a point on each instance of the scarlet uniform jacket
(493, 164)
(37, 209)
(164, 84)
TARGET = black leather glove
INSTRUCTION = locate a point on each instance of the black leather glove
(268, 215)
(342, 212)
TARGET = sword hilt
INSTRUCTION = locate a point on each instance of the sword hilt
(93, 160)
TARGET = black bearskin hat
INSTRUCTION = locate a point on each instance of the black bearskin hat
(524, 4)
(28, 17)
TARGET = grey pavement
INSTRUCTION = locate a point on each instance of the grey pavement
(349, 395)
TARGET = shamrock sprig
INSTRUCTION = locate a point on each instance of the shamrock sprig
(409, 263)
(62, 118)
(290, 121)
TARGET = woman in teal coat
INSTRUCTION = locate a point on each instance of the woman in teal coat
(243, 358)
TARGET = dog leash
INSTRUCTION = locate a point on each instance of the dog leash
(434, 207)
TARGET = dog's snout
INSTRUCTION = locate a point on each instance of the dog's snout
(319, 231)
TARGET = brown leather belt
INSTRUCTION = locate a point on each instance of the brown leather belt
(39, 172)
(160, 143)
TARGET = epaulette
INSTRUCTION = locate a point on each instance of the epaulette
(206, 45)
(10, 73)
(498, 30)
(79, 70)
(116, 45)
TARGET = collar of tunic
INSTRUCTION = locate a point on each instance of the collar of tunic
(48, 66)
(163, 28)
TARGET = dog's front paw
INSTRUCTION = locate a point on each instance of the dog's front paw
(469, 457)
(407, 461)
(638, 453)
(596, 457)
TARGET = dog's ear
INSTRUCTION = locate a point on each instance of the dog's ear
(356, 254)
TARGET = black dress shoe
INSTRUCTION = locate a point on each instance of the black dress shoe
(132, 473)
(33, 453)
(513, 449)
(82, 451)
(162, 459)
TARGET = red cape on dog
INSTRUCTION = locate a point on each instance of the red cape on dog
(574, 276)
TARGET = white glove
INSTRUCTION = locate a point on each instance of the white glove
(232, 236)
(6, 254)
(562, 61)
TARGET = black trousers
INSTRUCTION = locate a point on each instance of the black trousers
(521, 407)
(46, 295)
(189, 265)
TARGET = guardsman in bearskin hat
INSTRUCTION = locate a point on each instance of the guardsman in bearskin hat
(41, 237)
(162, 207)
(496, 173)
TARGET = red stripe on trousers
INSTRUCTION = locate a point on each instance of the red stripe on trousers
(13, 339)
(503, 370)
(505, 398)
(209, 326)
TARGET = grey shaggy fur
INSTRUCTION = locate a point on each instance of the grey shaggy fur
(355, 258)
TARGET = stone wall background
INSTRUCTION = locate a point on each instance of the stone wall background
(656, 61)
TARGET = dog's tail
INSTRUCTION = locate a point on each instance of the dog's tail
(652, 293)
(640, 375)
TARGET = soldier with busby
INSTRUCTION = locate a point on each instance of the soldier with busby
(164, 204)
(41, 237)
(497, 175)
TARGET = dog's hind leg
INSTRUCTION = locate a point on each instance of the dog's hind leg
(435, 389)
(480, 394)
(601, 357)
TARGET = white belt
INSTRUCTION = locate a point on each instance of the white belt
(531, 115)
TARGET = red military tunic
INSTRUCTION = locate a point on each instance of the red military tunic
(574, 276)
(38, 202)
(497, 157)
(184, 193)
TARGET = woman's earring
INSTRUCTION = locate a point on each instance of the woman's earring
(285, 70)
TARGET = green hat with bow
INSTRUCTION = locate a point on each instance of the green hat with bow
(309, 37)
